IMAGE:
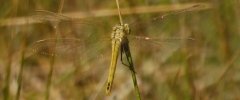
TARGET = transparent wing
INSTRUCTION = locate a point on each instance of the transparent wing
(70, 47)
(84, 60)
(158, 36)
(92, 55)
(157, 49)
(74, 25)
(48, 16)
(89, 50)
(170, 22)
(174, 11)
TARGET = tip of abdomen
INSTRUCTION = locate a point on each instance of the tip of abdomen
(108, 89)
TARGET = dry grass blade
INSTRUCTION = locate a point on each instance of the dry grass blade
(52, 60)
(50, 16)
(108, 12)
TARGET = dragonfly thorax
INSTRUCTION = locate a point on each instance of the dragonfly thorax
(120, 31)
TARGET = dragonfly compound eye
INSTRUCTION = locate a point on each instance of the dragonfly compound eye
(126, 28)
(114, 28)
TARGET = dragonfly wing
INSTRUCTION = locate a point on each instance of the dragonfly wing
(48, 16)
(88, 59)
(56, 47)
(158, 49)
(67, 47)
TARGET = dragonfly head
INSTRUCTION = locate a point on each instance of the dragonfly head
(126, 29)
(120, 31)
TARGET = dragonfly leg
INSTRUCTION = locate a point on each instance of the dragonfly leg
(125, 50)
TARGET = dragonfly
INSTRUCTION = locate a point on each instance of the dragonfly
(120, 41)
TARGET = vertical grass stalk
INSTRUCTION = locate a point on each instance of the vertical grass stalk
(21, 71)
(136, 89)
(20, 75)
(52, 61)
(129, 58)
(6, 89)
(50, 75)
(7, 80)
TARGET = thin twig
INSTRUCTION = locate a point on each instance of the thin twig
(20, 75)
(6, 89)
(52, 61)
(228, 66)
(119, 13)
(21, 71)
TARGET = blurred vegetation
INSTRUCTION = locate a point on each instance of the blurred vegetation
(206, 68)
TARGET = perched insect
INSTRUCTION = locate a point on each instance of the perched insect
(121, 42)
